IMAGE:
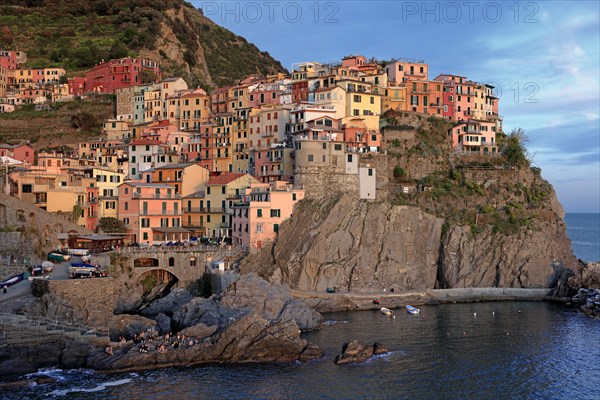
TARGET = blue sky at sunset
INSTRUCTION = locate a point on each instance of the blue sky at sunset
(543, 56)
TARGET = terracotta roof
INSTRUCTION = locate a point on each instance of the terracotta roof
(224, 178)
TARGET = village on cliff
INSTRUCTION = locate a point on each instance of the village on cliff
(178, 163)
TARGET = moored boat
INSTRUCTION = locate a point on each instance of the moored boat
(386, 311)
(412, 310)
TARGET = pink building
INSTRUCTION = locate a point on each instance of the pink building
(8, 60)
(359, 138)
(76, 86)
(21, 152)
(475, 136)
(265, 206)
(107, 77)
(152, 212)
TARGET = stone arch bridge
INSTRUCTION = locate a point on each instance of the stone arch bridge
(184, 264)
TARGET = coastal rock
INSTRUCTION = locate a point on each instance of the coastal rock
(356, 351)
(588, 301)
(272, 301)
(589, 277)
(249, 339)
(127, 325)
(205, 311)
(199, 331)
(163, 323)
(169, 304)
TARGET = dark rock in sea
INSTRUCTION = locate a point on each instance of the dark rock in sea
(355, 351)
(588, 301)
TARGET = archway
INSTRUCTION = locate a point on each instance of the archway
(158, 276)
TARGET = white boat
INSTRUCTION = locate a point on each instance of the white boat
(44, 277)
(412, 310)
(386, 311)
(47, 266)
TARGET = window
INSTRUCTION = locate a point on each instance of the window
(275, 213)
(357, 98)
(145, 222)
(370, 171)
(372, 100)
(259, 228)
(310, 158)
(171, 261)
(373, 138)
(294, 197)
(145, 236)
(337, 147)
(192, 261)
(26, 189)
(222, 189)
(208, 190)
(349, 157)
(208, 218)
(126, 206)
(356, 113)
(259, 212)
(324, 146)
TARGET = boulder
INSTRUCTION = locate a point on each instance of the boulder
(126, 325)
(272, 301)
(163, 323)
(356, 351)
(205, 311)
(168, 304)
(199, 331)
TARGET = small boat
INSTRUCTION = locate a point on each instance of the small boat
(45, 277)
(47, 266)
(386, 311)
(412, 310)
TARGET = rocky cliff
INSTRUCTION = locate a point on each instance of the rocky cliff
(474, 222)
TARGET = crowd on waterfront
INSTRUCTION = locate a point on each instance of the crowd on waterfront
(147, 341)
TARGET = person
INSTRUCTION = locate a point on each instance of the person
(109, 351)
(4, 288)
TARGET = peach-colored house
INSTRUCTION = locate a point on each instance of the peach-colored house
(21, 152)
(152, 212)
(359, 138)
(256, 219)
(403, 69)
(475, 136)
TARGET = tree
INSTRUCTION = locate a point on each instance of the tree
(514, 148)
(111, 225)
(147, 76)
(6, 35)
(118, 50)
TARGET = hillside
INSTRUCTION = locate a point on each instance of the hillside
(68, 123)
(76, 34)
(479, 222)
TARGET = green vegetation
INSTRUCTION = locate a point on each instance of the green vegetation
(111, 225)
(399, 172)
(77, 34)
(148, 283)
(514, 150)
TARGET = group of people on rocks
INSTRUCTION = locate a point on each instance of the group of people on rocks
(149, 340)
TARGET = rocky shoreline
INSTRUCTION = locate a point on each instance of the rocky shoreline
(250, 322)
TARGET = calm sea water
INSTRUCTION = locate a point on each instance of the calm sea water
(584, 232)
(527, 350)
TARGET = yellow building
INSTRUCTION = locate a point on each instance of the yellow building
(152, 104)
(221, 193)
(394, 98)
(115, 129)
(222, 156)
(3, 81)
(362, 101)
(186, 178)
(240, 140)
(194, 109)
(107, 182)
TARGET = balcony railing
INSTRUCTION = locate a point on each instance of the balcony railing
(160, 212)
(156, 196)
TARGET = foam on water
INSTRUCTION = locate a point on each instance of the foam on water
(98, 388)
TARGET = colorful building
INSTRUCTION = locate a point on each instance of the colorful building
(152, 212)
(109, 76)
(262, 209)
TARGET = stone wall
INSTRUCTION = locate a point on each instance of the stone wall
(30, 231)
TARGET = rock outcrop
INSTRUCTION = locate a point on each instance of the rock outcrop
(355, 351)
(588, 301)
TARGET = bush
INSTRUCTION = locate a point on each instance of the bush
(399, 172)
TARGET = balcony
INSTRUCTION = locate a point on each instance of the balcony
(156, 196)
(160, 212)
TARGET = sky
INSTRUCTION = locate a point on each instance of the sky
(543, 57)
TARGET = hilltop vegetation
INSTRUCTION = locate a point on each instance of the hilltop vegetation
(76, 34)
(66, 124)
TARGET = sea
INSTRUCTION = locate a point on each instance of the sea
(494, 350)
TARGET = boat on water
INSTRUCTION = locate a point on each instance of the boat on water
(47, 266)
(12, 280)
(43, 277)
(386, 311)
(412, 310)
